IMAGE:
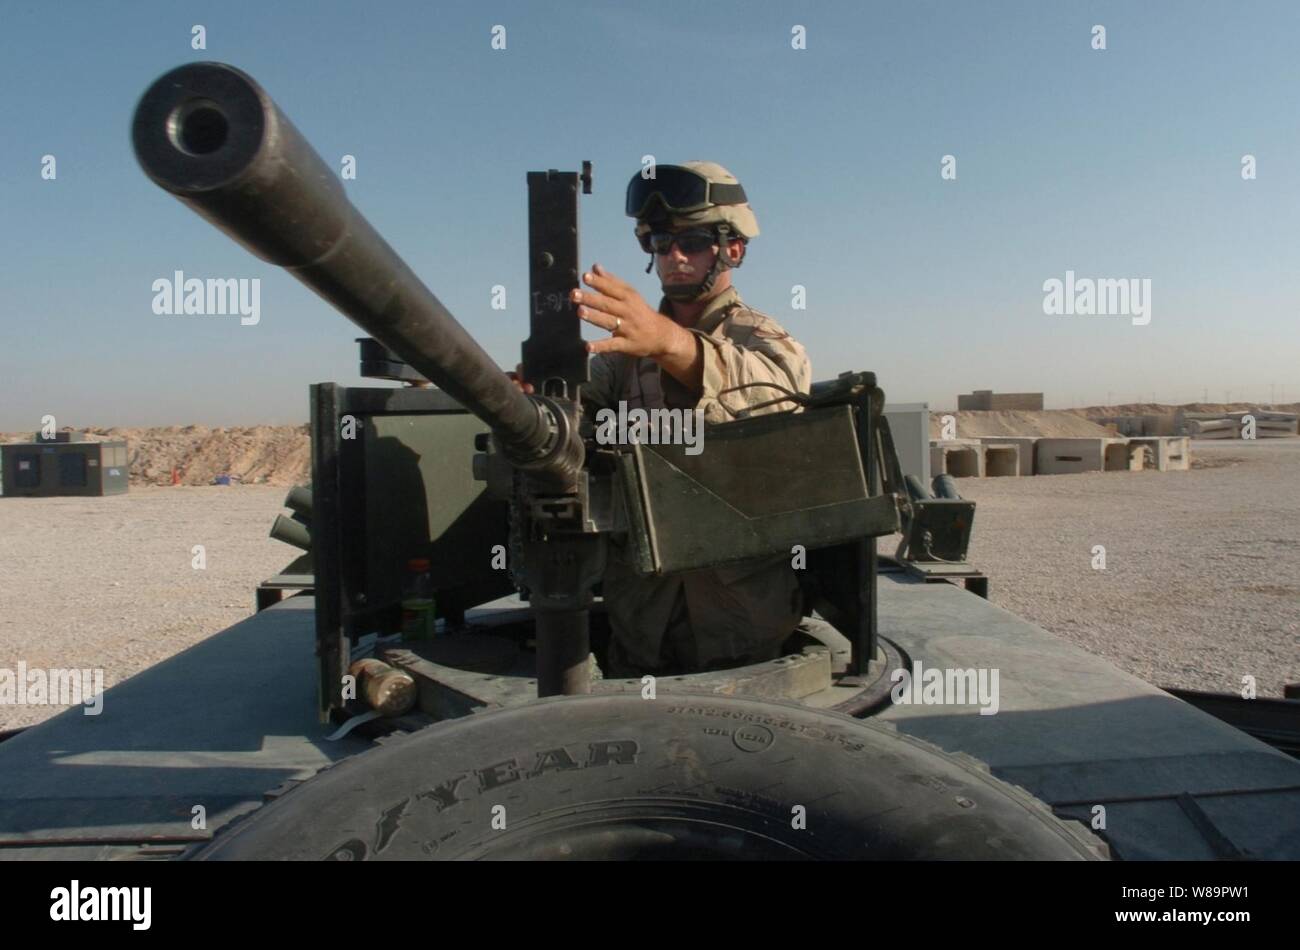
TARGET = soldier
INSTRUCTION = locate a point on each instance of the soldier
(695, 222)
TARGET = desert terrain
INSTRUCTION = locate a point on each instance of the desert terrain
(1201, 585)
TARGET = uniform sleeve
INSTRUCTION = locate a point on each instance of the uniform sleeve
(599, 393)
(753, 351)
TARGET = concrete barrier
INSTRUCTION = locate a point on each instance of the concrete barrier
(1000, 460)
(1122, 457)
(1170, 454)
(1070, 456)
(1024, 446)
(960, 458)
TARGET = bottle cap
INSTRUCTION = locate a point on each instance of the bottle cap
(418, 565)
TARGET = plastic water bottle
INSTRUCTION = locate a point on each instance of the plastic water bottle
(418, 609)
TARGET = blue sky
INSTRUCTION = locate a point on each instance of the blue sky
(1117, 163)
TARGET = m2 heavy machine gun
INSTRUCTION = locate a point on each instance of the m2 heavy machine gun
(821, 481)
(484, 716)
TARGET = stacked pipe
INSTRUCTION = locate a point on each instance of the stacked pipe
(1230, 425)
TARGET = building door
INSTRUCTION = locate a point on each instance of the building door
(72, 470)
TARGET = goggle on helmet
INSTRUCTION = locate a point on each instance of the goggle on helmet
(677, 189)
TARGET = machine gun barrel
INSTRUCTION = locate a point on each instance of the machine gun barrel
(210, 135)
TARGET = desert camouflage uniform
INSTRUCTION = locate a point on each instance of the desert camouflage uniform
(720, 616)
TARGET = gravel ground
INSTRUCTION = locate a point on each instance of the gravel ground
(107, 583)
(1201, 585)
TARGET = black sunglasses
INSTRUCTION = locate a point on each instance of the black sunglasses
(678, 189)
(690, 242)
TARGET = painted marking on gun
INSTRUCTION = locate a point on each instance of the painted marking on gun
(550, 303)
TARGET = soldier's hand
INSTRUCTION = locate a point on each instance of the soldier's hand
(517, 377)
(635, 327)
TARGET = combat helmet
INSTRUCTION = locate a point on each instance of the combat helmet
(691, 195)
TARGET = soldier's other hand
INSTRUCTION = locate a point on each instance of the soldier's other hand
(635, 327)
(517, 377)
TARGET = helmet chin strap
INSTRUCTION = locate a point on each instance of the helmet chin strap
(684, 293)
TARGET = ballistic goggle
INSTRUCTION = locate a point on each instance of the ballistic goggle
(679, 189)
(690, 242)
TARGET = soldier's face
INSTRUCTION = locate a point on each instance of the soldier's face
(678, 267)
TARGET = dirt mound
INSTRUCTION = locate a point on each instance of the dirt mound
(1161, 409)
(272, 455)
(1052, 423)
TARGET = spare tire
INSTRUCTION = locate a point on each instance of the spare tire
(621, 777)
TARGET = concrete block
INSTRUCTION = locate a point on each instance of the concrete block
(1178, 453)
(960, 458)
(1001, 460)
(1121, 457)
(1170, 454)
(1024, 446)
(1070, 456)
